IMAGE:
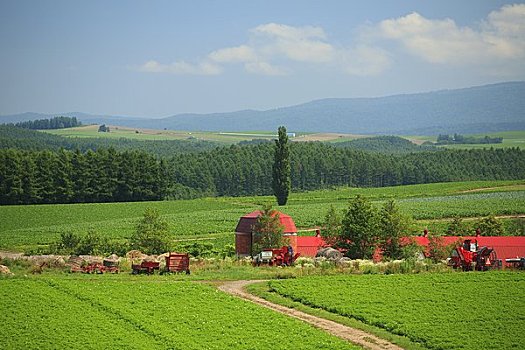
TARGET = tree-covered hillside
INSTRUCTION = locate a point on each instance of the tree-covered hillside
(111, 175)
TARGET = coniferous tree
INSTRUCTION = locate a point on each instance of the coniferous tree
(359, 232)
(281, 168)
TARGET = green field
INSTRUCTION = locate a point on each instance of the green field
(439, 311)
(29, 226)
(510, 139)
(137, 313)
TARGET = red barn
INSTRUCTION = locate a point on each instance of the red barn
(243, 232)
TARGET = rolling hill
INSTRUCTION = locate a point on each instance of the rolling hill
(488, 108)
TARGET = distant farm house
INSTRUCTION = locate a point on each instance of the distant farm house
(305, 245)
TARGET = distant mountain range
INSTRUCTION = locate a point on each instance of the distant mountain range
(488, 108)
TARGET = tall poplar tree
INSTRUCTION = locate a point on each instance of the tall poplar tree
(281, 168)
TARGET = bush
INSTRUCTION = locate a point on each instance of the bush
(151, 234)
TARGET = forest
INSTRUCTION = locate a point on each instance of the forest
(108, 175)
(53, 123)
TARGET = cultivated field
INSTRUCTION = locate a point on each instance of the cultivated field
(141, 313)
(439, 311)
(222, 137)
(28, 226)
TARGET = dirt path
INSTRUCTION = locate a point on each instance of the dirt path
(353, 335)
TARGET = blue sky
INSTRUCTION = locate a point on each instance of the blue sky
(160, 58)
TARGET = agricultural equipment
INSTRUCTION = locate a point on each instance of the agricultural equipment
(107, 265)
(517, 263)
(147, 267)
(177, 262)
(283, 256)
(468, 257)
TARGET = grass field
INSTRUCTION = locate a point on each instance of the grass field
(28, 226)
(133, 312)
(221, 137)
(439, 311)
(510, 139)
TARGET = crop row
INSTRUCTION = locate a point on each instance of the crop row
(28, 226)
(440, 311)
(134, 313)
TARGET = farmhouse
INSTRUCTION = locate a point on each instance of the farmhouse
(243, 232)
(305, 245)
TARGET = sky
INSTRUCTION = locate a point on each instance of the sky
(161, 58)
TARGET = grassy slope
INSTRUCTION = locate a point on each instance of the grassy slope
(28, 226)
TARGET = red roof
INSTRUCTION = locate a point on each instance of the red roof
(505, 246)
(309, 245)
(247, 221)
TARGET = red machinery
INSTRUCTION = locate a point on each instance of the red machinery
(110, 266)
(468, 257)
(147, 267)
(283, 256)
(177, 262)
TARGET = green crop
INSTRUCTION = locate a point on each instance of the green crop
(440, 311)
(27, 226)
(140, 313)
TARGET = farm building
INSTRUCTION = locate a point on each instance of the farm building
(243, 232)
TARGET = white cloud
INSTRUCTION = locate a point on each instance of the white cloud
(502, 36)
(302, 44)
(241, 53)
(180, 67)
(264, 68)
(497, 43)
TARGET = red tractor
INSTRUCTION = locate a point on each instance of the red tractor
(283, 256)
(468, 257)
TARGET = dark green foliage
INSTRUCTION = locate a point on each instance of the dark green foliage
(151, 234)
(66, 177)
(53, 123)
(332, 226)
(103, 174)
(267, 231)
(91, 243)
(460, 139)
(489, 226)
(392, 227)
(385, 144)
(103, 128)
(281, 182)
(457, 228)
(360, 229)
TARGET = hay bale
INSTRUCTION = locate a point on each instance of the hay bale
(135, 254)
(4, 270)
(329, 254)
(113, 257)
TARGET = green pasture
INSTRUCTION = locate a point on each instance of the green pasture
(23, 227)
(510, 139)
(435, 310)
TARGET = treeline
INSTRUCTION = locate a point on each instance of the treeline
(53, 123)
(24, 139)
(237, 171)
(461, 139)
(74, 177)
(111, 175)
(385, 144)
